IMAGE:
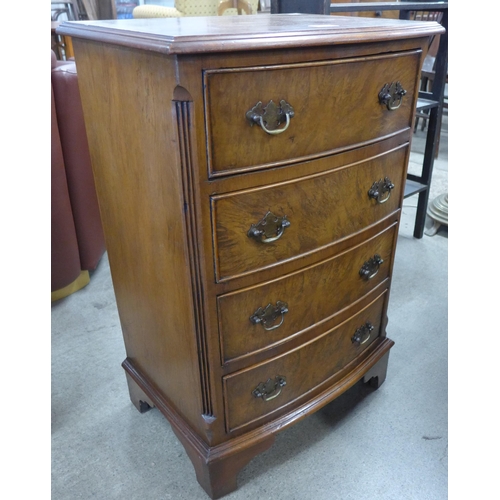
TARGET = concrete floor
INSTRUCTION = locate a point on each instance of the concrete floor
(389, 444)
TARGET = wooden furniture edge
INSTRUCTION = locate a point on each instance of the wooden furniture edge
(102, 31)
(366, 369)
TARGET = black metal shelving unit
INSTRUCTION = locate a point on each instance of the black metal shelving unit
(430, 101)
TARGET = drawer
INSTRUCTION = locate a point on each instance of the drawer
(262, 316)
(303, 214)
(257, 392)
(335, 105)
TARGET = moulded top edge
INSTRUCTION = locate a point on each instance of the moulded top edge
(256, 32)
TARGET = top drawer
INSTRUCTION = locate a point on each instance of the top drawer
(335, 105)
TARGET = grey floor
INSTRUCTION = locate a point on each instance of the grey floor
(389, 444)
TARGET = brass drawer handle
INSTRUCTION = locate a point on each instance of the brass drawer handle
(269, 229)
(392, 95)
(362, 334)
(381, 190)
(269, 315)
(270, 117)
(370, 268)
(270, 389)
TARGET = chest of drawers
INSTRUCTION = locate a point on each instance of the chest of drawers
(250, 175)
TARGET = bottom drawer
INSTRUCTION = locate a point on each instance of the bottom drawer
(258, 391)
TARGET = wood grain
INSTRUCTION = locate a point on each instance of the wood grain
(321, 209)
(324, 96)
(313, 295)
(180, 176)
(139, 187)
(197, 35)
(305, 369)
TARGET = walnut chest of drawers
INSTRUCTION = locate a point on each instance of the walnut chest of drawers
(250, 173)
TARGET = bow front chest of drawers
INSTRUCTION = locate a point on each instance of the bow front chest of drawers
(250, 173)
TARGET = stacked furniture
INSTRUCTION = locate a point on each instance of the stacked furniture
(251, 174)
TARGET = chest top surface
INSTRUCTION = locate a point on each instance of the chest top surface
(232, 33)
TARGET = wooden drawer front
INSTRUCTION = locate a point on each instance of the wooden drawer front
(335, 105)
(311, 296)
(320, 208)
(302, 369)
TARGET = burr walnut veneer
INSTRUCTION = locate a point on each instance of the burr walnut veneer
(250, 173)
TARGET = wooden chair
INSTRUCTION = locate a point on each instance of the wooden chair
(239, 5)
(68, 8)
(197, 8)
(424, 15)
